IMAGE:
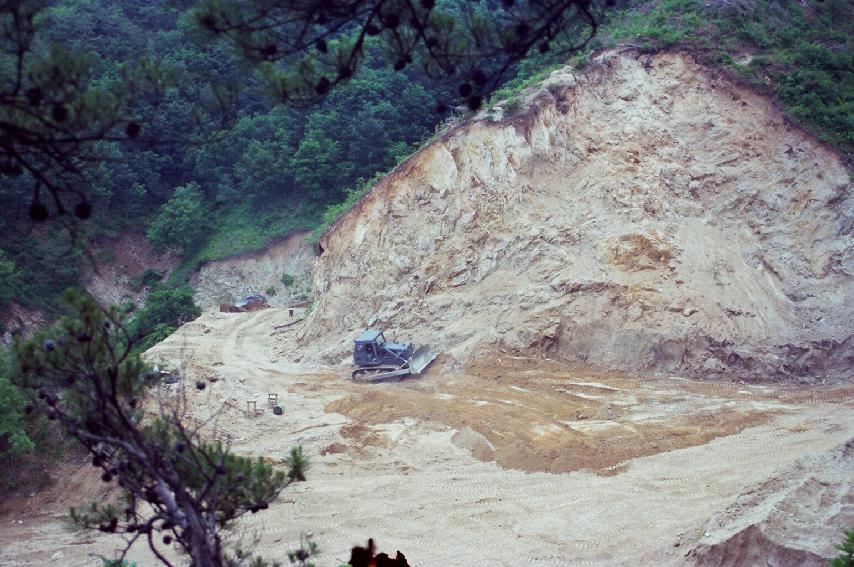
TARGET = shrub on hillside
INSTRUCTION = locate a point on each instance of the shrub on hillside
(165, 310)
(147, 278)
(182, 220)
(846, 555)
(13, 433)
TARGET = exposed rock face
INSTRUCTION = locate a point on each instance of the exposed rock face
(643, 214)
(232, 279)
(774, 523)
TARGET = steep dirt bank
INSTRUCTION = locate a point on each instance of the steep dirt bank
(113, 263)
(231, 279)
(643, 215)
(773, 522)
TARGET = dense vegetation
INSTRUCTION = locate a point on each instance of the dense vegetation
(13, 434)
(251, 171)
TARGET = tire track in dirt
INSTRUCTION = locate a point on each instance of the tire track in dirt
(416, 491)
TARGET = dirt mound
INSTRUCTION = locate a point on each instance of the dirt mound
(793, 519)
(480, 447)
(281, 272)
(642, 215)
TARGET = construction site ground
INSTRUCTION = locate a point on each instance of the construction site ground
(498, 460)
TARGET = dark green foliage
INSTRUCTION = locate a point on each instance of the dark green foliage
(182, 220)
(165, 310)
(84, 374)
(147, 278)
(817, 89)
(846, 552)
(466, 47)
(288, 280)
(298, 464)
(154, 335)
(14, 438)
(35, 268)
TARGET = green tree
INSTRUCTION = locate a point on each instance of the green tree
(13, 432)
(165, 310)
(315, 165)
(182, 220)
(176, 485)
(846, 551)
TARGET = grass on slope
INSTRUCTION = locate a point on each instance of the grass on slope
(248, 227)
(800, 53)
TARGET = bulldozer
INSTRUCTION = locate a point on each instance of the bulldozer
(378, 360)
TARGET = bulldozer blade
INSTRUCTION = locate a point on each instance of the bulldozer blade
(420, 359)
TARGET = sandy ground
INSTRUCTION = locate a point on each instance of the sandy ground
(559, 465)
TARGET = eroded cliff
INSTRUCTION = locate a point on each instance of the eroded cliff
(643, 214)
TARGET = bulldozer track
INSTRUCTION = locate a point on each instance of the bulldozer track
(377, 374)
(399, 471)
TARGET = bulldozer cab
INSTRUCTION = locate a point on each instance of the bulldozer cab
(369, 347)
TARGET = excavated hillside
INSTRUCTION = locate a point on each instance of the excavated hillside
(231, 279)
(644, 214)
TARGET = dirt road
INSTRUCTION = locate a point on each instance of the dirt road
(499, 461)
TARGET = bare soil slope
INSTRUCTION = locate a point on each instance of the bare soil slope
(116, 260)
(643, 214)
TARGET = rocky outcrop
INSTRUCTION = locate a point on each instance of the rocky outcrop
(280, 272)
(643, 214)
(794, 519)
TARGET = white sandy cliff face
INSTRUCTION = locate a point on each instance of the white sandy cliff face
(231, 279)
(643, 214)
